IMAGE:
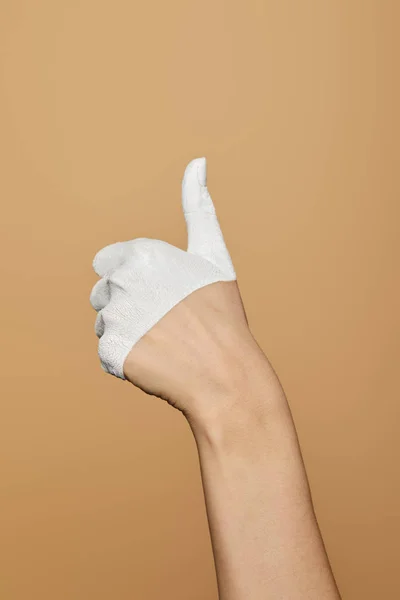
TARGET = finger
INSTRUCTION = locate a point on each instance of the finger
(204, 233)
(99, 325)
(100, 294)
(113, 256)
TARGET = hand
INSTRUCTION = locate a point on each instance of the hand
(200, 355)
(172, 322)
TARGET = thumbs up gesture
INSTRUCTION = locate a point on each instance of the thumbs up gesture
(154, 331)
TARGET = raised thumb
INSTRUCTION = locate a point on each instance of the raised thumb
(204, 233)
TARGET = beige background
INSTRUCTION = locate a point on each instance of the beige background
(295, 106)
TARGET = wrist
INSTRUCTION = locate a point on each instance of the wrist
(249, 406)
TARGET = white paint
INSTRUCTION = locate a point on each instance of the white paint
(143, 279)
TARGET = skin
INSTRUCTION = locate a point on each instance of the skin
(203, 359)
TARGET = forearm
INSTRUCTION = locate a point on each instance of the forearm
(265, 537)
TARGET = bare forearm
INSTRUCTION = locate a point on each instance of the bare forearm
(264, 533)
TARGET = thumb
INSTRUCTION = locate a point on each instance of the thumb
(204, 233)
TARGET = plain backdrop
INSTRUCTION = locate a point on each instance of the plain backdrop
(295, 106)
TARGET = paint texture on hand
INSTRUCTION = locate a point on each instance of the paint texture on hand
(143, 279)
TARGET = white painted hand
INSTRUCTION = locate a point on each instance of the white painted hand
(143, 279)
